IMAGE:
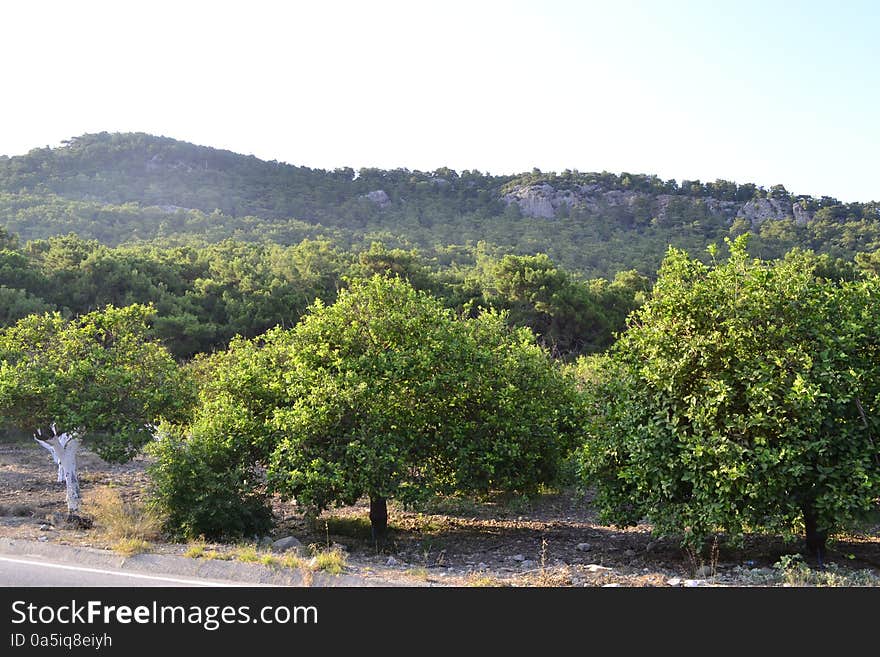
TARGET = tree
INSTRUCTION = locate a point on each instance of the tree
(386, 394)
(744, 395)
(95, 378)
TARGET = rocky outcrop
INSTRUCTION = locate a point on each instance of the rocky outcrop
(802, 216)
(757, 211)
(542, 200)
(379, 197)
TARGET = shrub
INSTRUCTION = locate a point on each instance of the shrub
(203, 489)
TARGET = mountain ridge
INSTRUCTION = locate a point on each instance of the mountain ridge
(116, 187)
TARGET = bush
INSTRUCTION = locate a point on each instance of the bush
(204, 490)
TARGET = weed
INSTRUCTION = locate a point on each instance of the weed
(120, 520)
(352, 527)
(795, 572)
(418, 573)
(332, 561)
(290, 561)
(246, 554)
(129, 547)
(195, 550)
(699, 566)
(482, 580)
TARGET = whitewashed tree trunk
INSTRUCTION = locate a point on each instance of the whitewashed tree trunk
(63, 448)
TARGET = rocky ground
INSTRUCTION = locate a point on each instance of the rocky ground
(555, 539)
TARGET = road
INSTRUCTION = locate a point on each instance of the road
(17, 571)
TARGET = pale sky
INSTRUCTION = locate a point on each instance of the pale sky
(752, 91)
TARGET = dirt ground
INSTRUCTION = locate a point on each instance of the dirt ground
(555, 539)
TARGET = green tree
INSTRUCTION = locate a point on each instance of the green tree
(96, 378)
(743, 396)
(386, 394)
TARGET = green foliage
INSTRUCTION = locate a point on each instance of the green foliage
(203, 488)
(99, 374)
(133, 187)
(391, 396)
(744, 395)
(207, 475)
(794, 572)
(384, 393)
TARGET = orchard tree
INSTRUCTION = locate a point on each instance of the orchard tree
(386, 394)
(393, 397)
(744, 395)
(96, 378)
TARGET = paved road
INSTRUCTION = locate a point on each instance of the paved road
(18, 571)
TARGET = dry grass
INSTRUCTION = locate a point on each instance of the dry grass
(129, 526)
(482, 580)
(418, 573)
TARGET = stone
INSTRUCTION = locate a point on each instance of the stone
(629, 553)
(704, 572)
(517, 557)
(759, 210)
(584, 547)
(675, 581)
(45, 528)
(288, 543)
(527, 564)
(693, 582)
(379, 197)
(612, 585)
(392, 562)
(802, 216)
(596, 568)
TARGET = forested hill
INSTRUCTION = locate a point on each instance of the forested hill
(124, 187)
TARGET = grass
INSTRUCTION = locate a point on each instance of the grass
(332, 561)
(418, 573)
(199, 550)
(794, 572)
(196, 550)
(128, 547)
(483, 581)
(130, 526)
(351, 526)
(245, 553)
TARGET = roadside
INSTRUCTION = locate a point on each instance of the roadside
(554, 539)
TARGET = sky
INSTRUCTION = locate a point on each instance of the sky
(769, 92)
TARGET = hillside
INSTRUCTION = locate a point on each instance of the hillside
(126, 187)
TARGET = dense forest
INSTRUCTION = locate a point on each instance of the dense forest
(126, 188)
(223, 244)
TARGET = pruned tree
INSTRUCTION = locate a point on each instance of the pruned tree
(97, 378)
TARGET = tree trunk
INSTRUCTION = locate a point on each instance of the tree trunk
(63, 448)
(815, 538)
(378, 518)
